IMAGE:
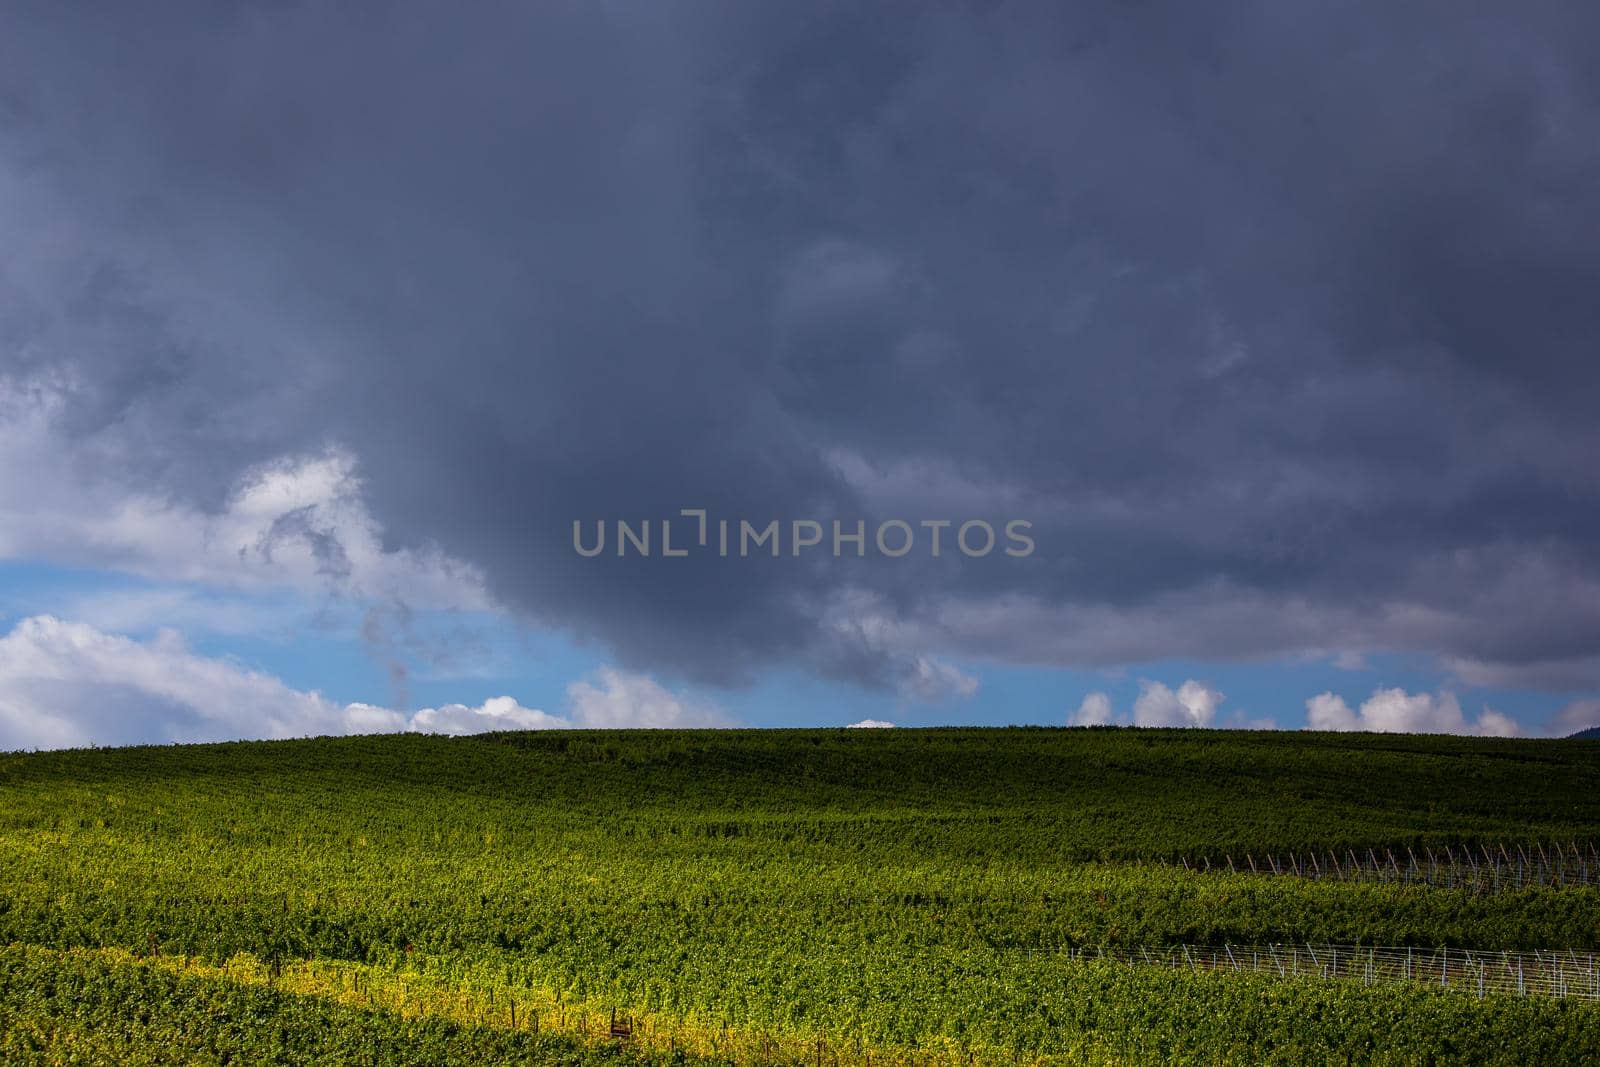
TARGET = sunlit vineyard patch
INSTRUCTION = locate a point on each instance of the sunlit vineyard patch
(951, 896)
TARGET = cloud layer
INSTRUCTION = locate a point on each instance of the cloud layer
(299, 522)
(1277, 325)
(1396, 711)
(1193, 704)
(65, 684)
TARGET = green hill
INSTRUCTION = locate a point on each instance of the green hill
(748, 894)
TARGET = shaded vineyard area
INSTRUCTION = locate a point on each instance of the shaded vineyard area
(1481, 868)
(887, 892)
(109, 1007)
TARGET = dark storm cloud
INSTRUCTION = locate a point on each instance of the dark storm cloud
(1277, 321)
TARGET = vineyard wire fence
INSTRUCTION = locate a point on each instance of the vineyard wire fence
(1533, 972)
(1558, 974)
(1482, 868)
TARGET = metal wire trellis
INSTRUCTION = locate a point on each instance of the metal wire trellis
(1483, 868)
(1527, 973)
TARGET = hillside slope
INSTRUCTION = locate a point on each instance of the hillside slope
(878, 891)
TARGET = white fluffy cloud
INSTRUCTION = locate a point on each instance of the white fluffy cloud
(871, 724)
(1396, 711)
(496, 713)
(300, 523)
(1194, 704)
(616, 698)
(1094, 711)
(65, 684)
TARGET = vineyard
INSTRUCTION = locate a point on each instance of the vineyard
(1536, 973)
(892, 897)
(1485, 868)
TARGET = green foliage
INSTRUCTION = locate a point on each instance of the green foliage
(86, 1011)
(901, 887)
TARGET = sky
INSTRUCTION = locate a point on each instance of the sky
(1241, 357)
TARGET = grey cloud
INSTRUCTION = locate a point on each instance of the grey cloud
(300, 524)
(1281, 315)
